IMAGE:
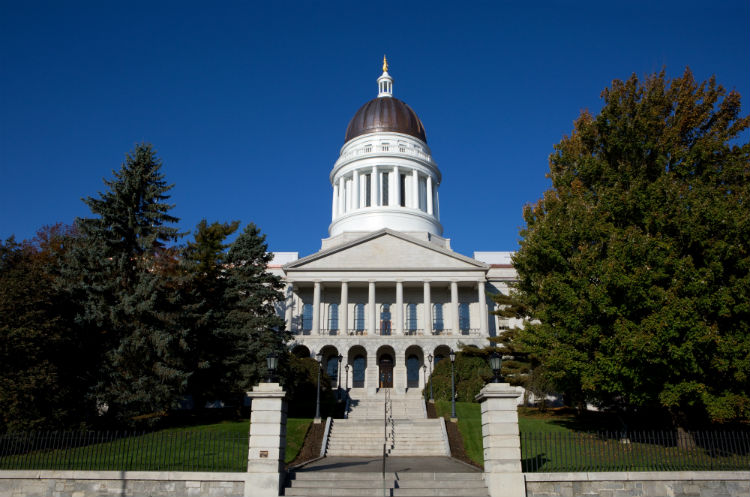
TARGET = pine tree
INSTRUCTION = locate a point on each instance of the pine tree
(124, 276)
(251, 328)
(203, 285)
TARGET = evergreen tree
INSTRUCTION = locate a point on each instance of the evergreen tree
(251, 328)
(203, 311)
(635, 266)
(123, 275)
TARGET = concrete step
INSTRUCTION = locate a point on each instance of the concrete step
(335, 484)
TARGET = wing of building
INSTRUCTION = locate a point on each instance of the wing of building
(386, 292)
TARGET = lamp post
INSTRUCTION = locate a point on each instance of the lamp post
(432, 399)
(319, 358)
(272, 362)
(453, 387)
(424, 374)
(496, 362)
(338, 383)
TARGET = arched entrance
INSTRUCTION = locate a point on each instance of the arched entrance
(386, 356)
(414, 362)
(301, 352)
(358, 360)
(330, 363)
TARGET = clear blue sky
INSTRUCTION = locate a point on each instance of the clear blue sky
(247, 102)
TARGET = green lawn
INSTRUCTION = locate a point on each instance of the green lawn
(556, 440)
(214, 447)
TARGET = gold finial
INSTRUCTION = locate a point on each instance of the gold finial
(385, 64)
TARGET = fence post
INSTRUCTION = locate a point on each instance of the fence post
(500, 438)
(265, 460)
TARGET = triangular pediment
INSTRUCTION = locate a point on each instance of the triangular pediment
(386, 250)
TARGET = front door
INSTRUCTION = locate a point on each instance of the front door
(386, 371)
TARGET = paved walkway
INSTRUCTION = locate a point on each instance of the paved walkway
(392, 465)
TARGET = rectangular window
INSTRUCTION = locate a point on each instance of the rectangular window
(359, 317)
(411, 317)
(402, 189)
(307, 317)
(333, 317)
(385, 189)
(385, 147)
(423, 193)
(368, 190)
(463, 316)
(437, 318)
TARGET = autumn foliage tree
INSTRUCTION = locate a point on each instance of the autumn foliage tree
(634, 268)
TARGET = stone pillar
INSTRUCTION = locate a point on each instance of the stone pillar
(265, 460)
(371, 309)
(415, 189)
(344, 309)
(334, 208)
(372, 372)
(429, 194)
(454, 308)
(374, 200)
(342, 196)
(399, 308)
(289, 309)
(482, 297)
(355, 190)
(316, 309)
(502, 444)
(396, 195)
(427, 311)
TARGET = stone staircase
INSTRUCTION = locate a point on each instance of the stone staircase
(330, 483)
(407, 431)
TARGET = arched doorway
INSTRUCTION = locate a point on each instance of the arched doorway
(358, 362)
(330, 363)
(414, 361)
(301, 352)
(385, 366)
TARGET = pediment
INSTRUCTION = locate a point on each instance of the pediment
(386, 250)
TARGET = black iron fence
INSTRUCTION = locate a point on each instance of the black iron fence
(635, 451)
(125, 451)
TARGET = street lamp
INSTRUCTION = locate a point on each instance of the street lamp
(338, 383)
(429, 358)
(424, 374)
(496, 363)
(272, 362)
(319, 358)
(453, 387)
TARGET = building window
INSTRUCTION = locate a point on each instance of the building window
(385, 147)
(464, 323)
(368, 190)
(385, 319)
(402, 148)
(368, 149)
(437, 317)
(359, 317)
(307, 317)
(333, 317)
(385, 189)
(411, 317)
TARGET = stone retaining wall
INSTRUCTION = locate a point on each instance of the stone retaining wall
(640, 484)
(120, 484)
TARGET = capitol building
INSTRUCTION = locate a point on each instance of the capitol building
(386, 292)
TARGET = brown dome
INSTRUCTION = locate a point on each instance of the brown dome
(385, 114)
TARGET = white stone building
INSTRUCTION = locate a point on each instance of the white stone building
(386, 291)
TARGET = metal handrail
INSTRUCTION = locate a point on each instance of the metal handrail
(386, 406)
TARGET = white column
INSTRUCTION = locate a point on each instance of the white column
(344, 308)
(396, 190)
(454, 307)
(415, 189)
(399, 308)
(355, 190)
(371, 308)
(374, 187)
(429, 194)
(316, 309)
(342, 196)
(482, 297)
(427, 309)
(436, 208)
(289, 310)
(335, 203)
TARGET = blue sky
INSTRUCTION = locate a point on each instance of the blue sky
(247, 102)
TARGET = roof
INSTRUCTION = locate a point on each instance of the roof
(385, 114)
